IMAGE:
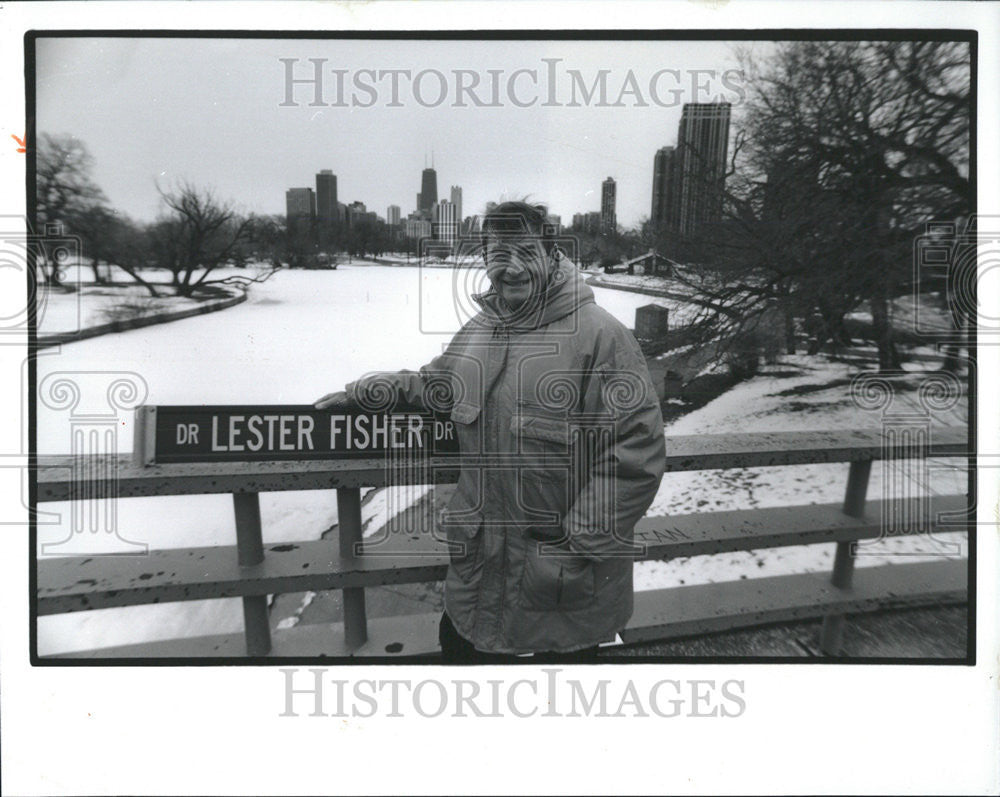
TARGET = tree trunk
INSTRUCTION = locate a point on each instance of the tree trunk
(959, 334)
(94, 264)
(134, 275)
(49, 269)
(789, 331)
(888, 355)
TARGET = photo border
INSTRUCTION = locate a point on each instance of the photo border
(636, 34)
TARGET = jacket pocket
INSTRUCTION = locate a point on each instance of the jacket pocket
(542, 428)
(542, 442)
(556, 581)
(466, 555)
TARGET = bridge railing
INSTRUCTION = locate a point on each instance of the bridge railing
(252, 569)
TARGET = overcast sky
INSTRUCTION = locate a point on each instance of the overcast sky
(210, 111)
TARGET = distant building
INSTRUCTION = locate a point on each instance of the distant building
(417, 227)
(651, 262)
(554, 221)
(456, 200)
(445, 222)
(662, 165)
(392, 215)
(609, 220)
(300, 202)
(428, 196)
(587, 222)
(327, 217)
(300, 216)
(356, 212)
(697, 169)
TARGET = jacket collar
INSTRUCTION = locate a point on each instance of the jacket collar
(566, 292)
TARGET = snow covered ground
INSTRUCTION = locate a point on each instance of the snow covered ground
(305, 333)
(90, 305)
(777, 402)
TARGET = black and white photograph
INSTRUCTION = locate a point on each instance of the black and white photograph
(699, 398)
(446, 373)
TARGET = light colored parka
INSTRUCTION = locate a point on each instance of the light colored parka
(561, 436)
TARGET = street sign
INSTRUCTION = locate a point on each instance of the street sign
(242, 433)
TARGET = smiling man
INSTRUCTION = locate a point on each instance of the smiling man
(551, 398)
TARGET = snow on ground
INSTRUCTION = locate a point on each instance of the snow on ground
(90, 305)
(757, 405)
(305, 333)
(71, 312)
(298, 336)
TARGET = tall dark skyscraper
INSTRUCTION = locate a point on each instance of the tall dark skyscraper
(300, 212)
(428, 190)
(662, 164)
(326, 206)
(609, 219)
(698, 167)
(326, 195)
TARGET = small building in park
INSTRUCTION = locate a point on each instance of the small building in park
(652, 262)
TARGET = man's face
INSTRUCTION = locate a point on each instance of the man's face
(518, 268)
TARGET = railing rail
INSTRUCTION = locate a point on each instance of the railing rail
(256, 575)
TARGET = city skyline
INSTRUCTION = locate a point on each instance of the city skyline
(230, 134)
(298, 200)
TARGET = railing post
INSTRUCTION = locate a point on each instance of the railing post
(250, 551)
(349, 526)
(843, 562)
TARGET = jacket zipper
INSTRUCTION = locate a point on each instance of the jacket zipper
(505, 334)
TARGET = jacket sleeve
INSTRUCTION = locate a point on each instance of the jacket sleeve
(622, 473)
(429, 388)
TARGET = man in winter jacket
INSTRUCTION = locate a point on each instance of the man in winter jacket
(562, 447)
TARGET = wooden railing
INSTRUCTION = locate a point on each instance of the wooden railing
(252, 570)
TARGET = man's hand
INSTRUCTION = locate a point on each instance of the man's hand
(340, 397)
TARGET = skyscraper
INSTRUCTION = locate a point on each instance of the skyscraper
(662, 164)
(300, 202)
(392, 215)
(698, 167)
(456, 200)
(356, 213)
(445, 224)
(609, 220)
(417, 227)
(300, 215)
(428, 196)
(326, 206)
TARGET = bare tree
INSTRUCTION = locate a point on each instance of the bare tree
(65, 193)
(198, 235)
(847, 150)
(882, 129)
(128, 245)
